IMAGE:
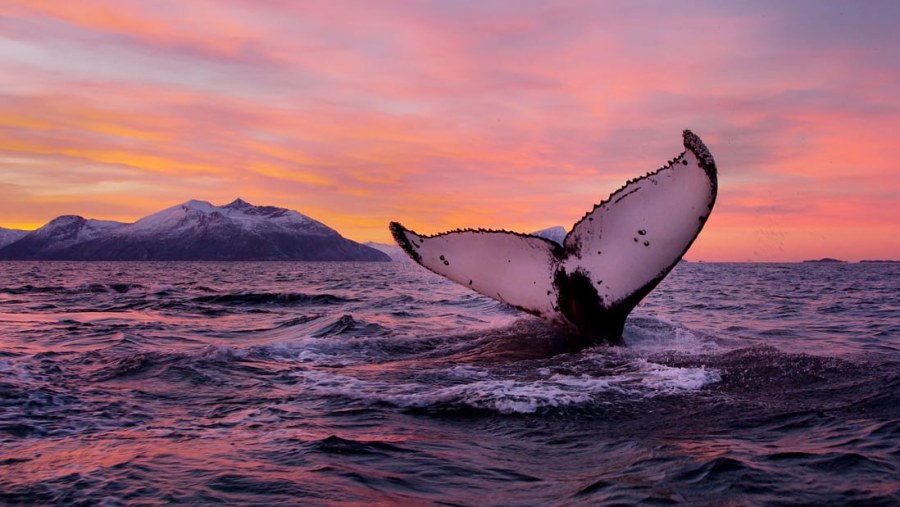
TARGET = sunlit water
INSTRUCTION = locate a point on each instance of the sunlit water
(330, 383)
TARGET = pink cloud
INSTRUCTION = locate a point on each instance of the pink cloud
(517, 115)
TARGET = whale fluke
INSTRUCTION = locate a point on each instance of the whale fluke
(613, 257)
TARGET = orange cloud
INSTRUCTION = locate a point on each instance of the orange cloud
(453, 114)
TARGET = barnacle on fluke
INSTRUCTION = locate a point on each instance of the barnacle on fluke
(553, 280)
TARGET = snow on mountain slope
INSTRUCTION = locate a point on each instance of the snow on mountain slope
(69, 229)
(393, 251)
(195, 215)
(194, 230)
(9, 236)
(556, 233)
(53, 239)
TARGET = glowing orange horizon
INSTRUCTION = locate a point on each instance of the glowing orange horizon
(454, 115)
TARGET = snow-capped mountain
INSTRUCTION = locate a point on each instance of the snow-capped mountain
(53, 240)
(393, 251)
(192, 215)
(196, 230)
(556, 234)
(8, 236)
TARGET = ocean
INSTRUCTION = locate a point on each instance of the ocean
(381, 383)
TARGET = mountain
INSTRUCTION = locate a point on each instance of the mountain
(54, 240)
(556, 234)
(393, 251)
(194, 230)
(8, 236)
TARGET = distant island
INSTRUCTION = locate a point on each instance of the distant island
(191, 231)
(826, 260)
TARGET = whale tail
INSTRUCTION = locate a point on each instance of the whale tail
(608, 262)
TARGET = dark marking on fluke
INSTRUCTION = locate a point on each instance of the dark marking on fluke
(579, 301)
(577, 304)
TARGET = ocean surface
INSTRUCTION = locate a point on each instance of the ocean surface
(351, 383)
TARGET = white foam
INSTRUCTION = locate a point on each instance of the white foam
(511, 396)
(663, 379)
(466, 371)
(331, 351)
(222, 354)
(514, 395)
(299, 351)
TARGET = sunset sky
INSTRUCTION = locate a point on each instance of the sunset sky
(499, 114)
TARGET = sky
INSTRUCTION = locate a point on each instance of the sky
(514, 115)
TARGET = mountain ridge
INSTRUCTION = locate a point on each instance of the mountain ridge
(193, 230)
(8, 236)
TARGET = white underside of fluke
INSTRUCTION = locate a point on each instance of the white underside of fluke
(623, 247)
(512, 268)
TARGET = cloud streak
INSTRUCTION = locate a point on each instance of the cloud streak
(515, 115)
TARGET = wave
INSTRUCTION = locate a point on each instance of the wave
(337, 445)
(32, 289)
(88, 288)
(486, 390)
(272, 298)
(346, 325)
(131, 365)
(119, 288)
(652, 335)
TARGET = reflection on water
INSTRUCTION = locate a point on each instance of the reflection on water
(342, 383)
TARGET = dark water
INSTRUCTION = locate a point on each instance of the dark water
(308, 383)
